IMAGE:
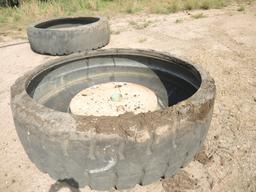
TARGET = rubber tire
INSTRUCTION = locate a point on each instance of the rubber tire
(68, 40)
(105, 160)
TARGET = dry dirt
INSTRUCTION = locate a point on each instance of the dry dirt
(223, 42)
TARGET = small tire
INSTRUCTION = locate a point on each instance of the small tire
(121, 151)
(63, 36)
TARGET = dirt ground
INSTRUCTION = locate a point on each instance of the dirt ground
(223, 42)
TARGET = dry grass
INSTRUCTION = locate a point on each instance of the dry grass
(142, 40)
(198, 16)
(241, 8)
(33, 10)
(140, 25)
(178, 21)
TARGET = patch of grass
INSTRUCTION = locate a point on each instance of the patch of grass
(145, 24)
(34, 10)
(140, 25)
(158, 9)
(133, 23)
(142, 40)
(173, 7)
(115, 32)
(191, 4)
(241, 8)
(198, 16)
(2, 19)
(16, 17)
(130, 8)
(205, 5)
(178, 21)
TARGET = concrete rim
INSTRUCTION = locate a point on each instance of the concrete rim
(204, 95)
(96, 23)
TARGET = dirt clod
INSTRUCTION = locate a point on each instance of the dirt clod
(203, 158)
(181, 182)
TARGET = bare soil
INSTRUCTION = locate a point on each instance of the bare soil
(223, 42)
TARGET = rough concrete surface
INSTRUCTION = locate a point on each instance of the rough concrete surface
(223, 42)
(113, 99)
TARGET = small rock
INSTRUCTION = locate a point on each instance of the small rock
(222, 161)
(216, 137)
(180, 182)
(203, 158)
(116, 97)
(120, 108)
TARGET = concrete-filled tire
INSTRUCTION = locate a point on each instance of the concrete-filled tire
(63, 36)
(113, 152)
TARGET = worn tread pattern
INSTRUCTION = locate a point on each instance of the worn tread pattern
(110, 160)
(70, 40)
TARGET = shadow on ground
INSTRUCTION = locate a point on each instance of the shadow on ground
(66, 183)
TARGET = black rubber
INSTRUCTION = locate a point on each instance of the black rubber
(113, 152)
(63, 36)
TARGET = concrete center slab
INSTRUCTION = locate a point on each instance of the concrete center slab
(113, 99)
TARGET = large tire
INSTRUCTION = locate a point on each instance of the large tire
(68, 35)
(106, 152)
